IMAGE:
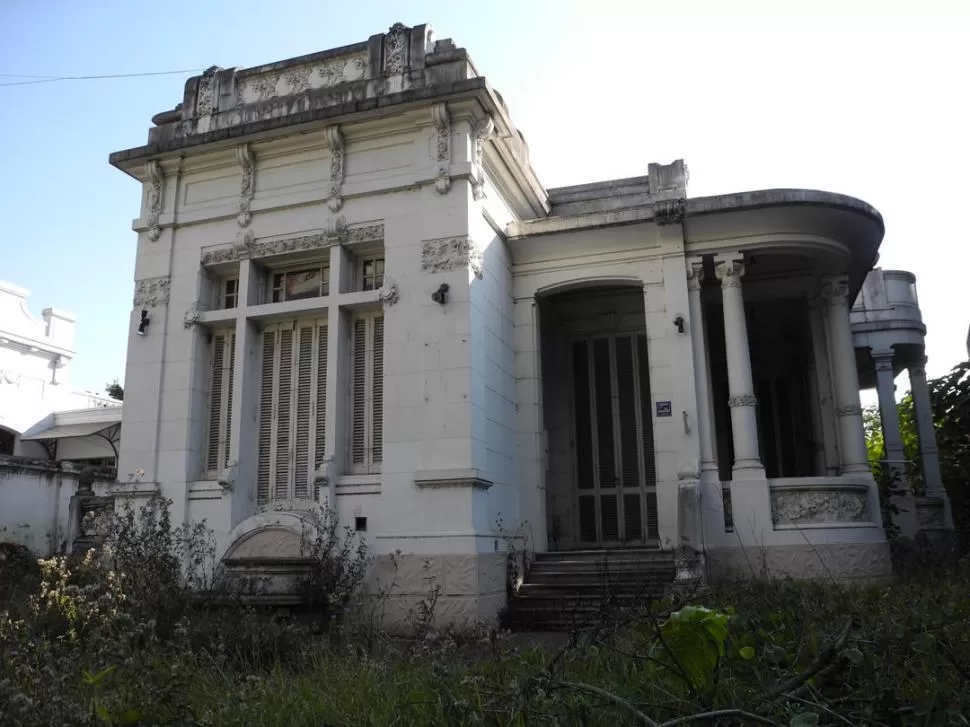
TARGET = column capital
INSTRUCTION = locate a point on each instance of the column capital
(835, 289)
(728, 268)
(918, 367)
(883, 358)
(695, 272)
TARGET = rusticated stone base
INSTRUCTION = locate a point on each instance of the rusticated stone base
(855, 562)
(463, 589)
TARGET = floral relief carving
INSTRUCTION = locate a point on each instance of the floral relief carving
(482, 133)
(192, 315)
(327, 73)
(389, 294)
(247, 245)
(244, 155)
(150, 292)
(298, 79)
(442, 126)
(743, 400)
(336, 142)
(204, 103)
(156, 181)
(797, 506)
(452, 253)
(395, 49)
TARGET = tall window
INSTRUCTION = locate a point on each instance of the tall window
(367, 394)
(293, 409)
(222, 359)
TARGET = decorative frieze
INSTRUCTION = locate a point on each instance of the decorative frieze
(300, 79)
(396, 42)
(337, 233)
(442, 126)
(336, 141)
(482, 133)
(743, 400)
(156, 182)
(150, 292)
(452, 253)
(244, 155)
(796, 506)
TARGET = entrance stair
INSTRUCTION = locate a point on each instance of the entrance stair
(565, 590)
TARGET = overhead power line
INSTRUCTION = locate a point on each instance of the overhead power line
(53, 79)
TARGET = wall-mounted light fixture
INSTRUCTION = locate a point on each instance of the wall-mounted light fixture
(143, 326)
(439, 295)
(679, 322)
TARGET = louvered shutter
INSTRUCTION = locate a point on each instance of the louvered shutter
(359, 394)
(377, 398)
(222, 363)
(320, 443)
(302, 433)
(282, 454)
(266, 418)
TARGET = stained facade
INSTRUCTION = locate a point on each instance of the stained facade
(351, 289)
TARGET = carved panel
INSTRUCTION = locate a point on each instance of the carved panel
(482, 133)
(151, 292)
(204, 98)
(452, 253)
(798, 506)
(337, 233)
(442, 126)
(335, 139)
(244, 155)
(156, 181)
(396, 47)
(300, 79)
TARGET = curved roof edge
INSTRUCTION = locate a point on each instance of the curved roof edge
(778, 197)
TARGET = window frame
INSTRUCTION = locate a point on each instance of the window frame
(223, 415)
(322, 267)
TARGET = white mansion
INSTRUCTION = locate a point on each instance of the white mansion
(352, 288)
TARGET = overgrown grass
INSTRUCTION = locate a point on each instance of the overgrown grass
(76, 647)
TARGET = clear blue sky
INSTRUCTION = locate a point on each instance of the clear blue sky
(857, 97)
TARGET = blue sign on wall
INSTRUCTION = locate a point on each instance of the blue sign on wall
(664, 409)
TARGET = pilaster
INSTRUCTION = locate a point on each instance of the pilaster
(902, 496)
(927, 441)
(823, 400)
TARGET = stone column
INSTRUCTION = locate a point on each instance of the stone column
(852, 438)
(927, 441)
(711, 495)
(823, 387)
(744, 420)
(900, 494)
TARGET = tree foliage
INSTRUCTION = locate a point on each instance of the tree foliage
(115, 390)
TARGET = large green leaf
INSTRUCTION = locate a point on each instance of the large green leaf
(694, 638)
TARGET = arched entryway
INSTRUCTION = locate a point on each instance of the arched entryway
(600, 468)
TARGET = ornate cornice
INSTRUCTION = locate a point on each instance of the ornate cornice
(669, 211)
(743, 400)
(336, 233)
(849, 410)
(442, 126)
(336, 141)
(150, 292)
(247, 185)
(481, 134)
(156, 183)
(452, 253)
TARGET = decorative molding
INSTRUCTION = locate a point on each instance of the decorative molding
(883, 360)
(695, 273)
(452, 253)
(336, 141)
(227, 478)
(388, 293)
(337, 232)
(471, 482)
(793, 506)
(729, 269)
(247, 185)
(396, 49)
(192, 315)
(204, 100)
(743, 400)
(156, 183)
(482, 133)
(150, 292)
(835, 290)
(849, 410)
(442, 126)
(669, 211)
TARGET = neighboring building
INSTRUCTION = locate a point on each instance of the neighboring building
(48, 431)
(351, 287)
